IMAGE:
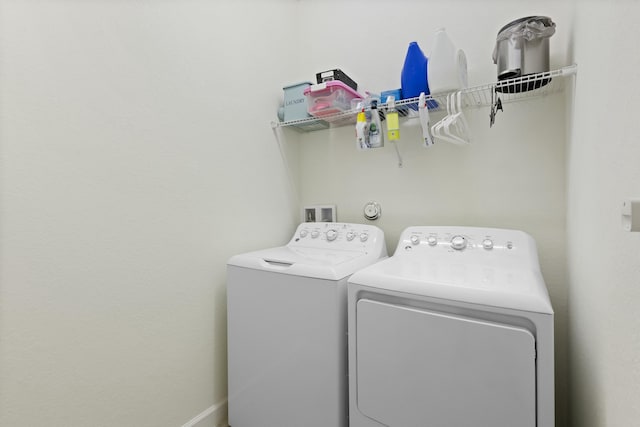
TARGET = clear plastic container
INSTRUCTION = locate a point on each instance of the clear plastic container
(329, 98)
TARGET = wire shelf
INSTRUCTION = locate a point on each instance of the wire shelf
(511, 90)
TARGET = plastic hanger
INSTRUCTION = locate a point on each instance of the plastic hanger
(453, 127)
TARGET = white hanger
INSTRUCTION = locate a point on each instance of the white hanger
(453, 127)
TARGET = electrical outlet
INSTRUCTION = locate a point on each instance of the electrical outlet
(631, 215)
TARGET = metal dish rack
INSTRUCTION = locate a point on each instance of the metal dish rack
(511, 90)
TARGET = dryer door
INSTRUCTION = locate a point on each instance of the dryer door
(421, 368)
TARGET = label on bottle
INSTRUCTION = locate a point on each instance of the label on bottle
(393, 126)
(362, 135)
(375, 137)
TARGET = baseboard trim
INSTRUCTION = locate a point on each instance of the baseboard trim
(214, 416)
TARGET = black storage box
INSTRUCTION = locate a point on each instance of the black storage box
(336, 74)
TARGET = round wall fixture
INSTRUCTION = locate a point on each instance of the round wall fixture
(372, 211)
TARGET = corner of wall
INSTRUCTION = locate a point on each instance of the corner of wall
(214, 416)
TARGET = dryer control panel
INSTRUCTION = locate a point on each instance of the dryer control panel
(337, 235)
(468, 242)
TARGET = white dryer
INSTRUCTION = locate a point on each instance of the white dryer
(287, 326)
(454, 330)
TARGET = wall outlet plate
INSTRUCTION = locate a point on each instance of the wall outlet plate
(319, 213)
(631, 215)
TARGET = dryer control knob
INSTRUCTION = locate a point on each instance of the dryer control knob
(432, 240)
(458, 243)
(331, 235)
(350, 236)
(315, 234)
(415, 239)
(364, 237)
(303, 233)
(487, 244)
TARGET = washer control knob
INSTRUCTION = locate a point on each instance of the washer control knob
(415, 239)
(351, 235)
(432, 240)
(364, 237)
(331, 235)
(458, 243)
(303, 233)
(487, 244)
(315, 234)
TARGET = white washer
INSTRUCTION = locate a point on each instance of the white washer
(287, 326)
(454, 330)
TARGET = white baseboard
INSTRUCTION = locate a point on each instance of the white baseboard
(214, 416)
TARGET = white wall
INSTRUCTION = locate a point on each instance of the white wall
(136, 157)
(604, 265)
(513, 176)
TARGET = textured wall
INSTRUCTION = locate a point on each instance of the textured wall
(604, 266)
(136, 157)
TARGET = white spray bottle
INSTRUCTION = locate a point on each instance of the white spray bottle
(423, 110)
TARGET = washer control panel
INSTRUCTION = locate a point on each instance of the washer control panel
(465, 240)
(337, 235)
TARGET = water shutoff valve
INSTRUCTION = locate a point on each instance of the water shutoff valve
(372, 211)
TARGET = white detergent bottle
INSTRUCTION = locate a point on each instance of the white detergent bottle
(447, 66)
